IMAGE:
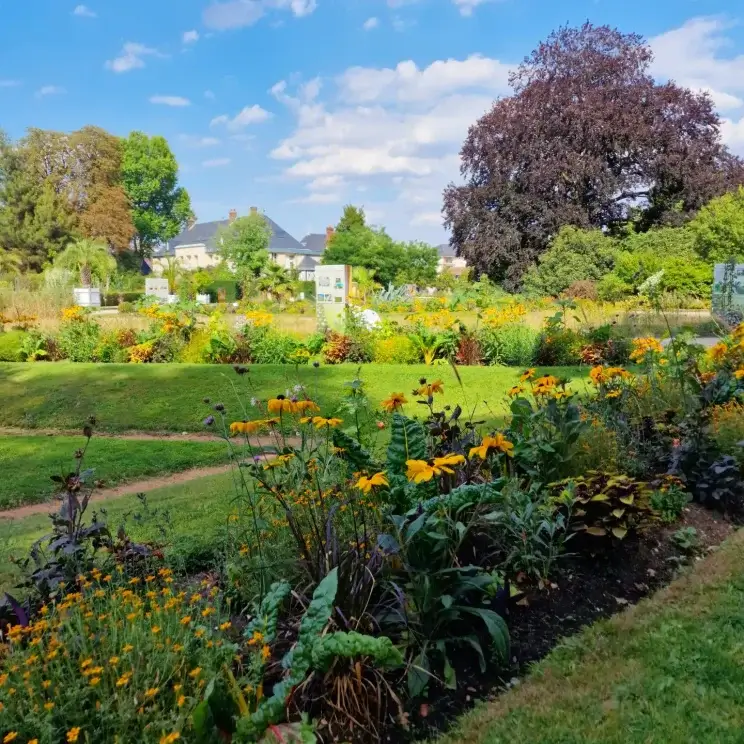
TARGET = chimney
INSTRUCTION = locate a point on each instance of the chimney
(254, 210)
(233, 215)
(329, 234)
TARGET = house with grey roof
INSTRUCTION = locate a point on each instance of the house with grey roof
(448, 261)
(197, 247)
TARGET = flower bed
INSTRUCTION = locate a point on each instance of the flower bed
(379, 570)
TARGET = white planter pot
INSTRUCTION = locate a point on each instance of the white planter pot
(87, 296)
(172, 299)
(204, 299)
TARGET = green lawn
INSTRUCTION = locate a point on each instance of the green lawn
(668, 671)
(197, 510)
(28, 462)
(169, 397)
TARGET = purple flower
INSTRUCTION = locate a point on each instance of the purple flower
(209, 421)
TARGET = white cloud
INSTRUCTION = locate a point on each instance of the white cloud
(190, 37)
(249, 115)
(427, 218)
(131, 57)
(176, 101)
(222, 16)
(216, 163)
(733, 134)
(50, 90)
(693, 55)
(468, 6)
(195, 141)
(83, 11)
(9, 83)
(325, 182)
(319, 197)
(371, 23)
(406, 82)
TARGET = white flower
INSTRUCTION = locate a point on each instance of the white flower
(254, 402)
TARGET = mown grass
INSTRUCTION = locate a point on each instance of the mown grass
(28, 462)
(169, 397)
(670, 670)
(197, 512)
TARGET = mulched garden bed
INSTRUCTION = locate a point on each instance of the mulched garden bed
(585, 589)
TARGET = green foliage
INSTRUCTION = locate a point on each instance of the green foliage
(611, 288)
(420, 266)
(669, 502)
(89, 258)
(224, 290)
(687, 540)
(267, 615)
(606, 506)
(245, 243)
(513, 344)
(78, 339)
(396, 350)
(11, 345)
(407, 442)
(160, 208)
(573, 255)
(718, 228)
(268, 346)
(352, 645)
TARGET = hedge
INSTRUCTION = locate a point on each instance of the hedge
(113, 299)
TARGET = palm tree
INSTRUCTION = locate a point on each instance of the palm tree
(275, 281)
(89, 257)
(172, 271)
(364, 279)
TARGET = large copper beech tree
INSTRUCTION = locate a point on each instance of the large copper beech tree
(588, 139)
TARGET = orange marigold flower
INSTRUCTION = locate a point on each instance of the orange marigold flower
(73, 734)
(394, 402)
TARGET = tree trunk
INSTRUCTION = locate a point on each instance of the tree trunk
(86, 276)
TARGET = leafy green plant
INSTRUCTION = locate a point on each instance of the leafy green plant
(78, 339)
(669, 501)
(396, 350)
(33, 347)
(605, 507)
(511, 344)
(686, 539)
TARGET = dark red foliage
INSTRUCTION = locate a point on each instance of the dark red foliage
(588, 139)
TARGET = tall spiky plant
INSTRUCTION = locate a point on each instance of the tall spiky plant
(88, 257)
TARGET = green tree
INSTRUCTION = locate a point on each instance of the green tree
(10, 263)
(365, 281)
(718, 228)
(88, 257)
(160, 208)
(245, 244)
(275, 281)
(420, 266)
(352, 218)
(172, 271)
(574, 255)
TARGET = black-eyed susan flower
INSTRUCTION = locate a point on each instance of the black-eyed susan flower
(394, 402)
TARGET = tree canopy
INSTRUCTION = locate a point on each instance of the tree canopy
(587, 139)
(160, 208)
(245, 244)
(718, 228)
(357, 244)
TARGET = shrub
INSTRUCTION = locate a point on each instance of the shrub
(272, 347)
(561, 347)
(585, 289)
(126, 307)
(512, 344)
(112, 299)
(193, 352)
(223, 291)
(396, 350)
(670, 499)
(11, 345)
(79, 338)
(337, 348)
(611, 288)
(109, 349)
(574, 255)
(114, 663)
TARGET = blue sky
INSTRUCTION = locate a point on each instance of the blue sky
(301, 106)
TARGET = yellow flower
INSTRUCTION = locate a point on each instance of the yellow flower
(428, 389)
(497, 442)
(127, 648)
(181, 700)
(265, 652)
(307, 405)
(124, 680)
(194, 673)
(365, 484)
(48, 706)
(527, 374)
(319, 422)
(597, 375)
(72, 734)
(114, 660)
(33, 741)
(94, 681)
(86, 663)
(614, 394)
(10, 736)
(446, 463)
(170, 738)
(225, 626)
(281, 404)
(278, 461)
(185, 620)
(207, 611)
(516, 390)
(739, 373)
(156, 629)
(149, 694)
(419, 471)
(395, 402)
(650, 345)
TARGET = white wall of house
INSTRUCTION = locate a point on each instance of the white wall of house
(290, 260)
(450, 263)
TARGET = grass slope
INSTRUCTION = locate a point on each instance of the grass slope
(669, 670)
(169, 397)
(197, 512)
(27, 462)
